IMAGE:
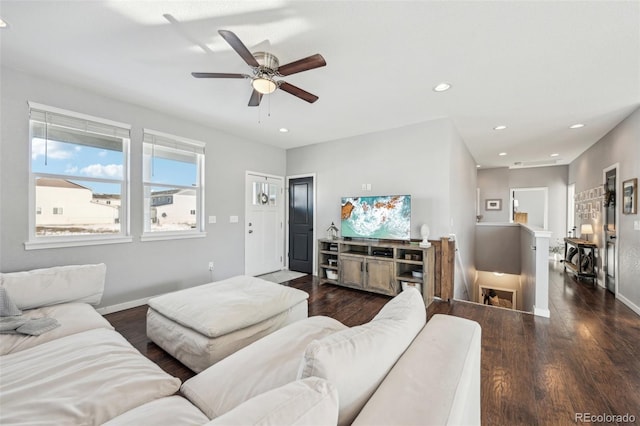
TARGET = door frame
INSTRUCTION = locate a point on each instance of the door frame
(571, 208)
(601, 233)
(545, 191)
(315, 218)
(282, 213)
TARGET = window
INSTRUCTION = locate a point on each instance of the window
(173, 179)
(77, 161)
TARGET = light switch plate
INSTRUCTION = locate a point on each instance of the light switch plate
(212, 219)
(636, 225)
(233, 219)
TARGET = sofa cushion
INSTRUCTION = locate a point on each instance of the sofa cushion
(73, 318)
(308, 402)
(265, 364)
(85, 378)
(168, 411)
(357, 359)
(441, 366)
(59, 284)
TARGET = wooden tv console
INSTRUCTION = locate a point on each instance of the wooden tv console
(376, 266)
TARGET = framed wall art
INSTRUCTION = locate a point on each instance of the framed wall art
(630, 196)
(495, 204)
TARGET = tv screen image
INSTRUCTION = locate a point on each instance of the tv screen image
(380, 217)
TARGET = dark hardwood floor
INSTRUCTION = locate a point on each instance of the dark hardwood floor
(535, 371)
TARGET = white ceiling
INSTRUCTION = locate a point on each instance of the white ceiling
(534, 66)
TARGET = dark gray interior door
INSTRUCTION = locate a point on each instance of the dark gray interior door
(301, 224)
(610, 231)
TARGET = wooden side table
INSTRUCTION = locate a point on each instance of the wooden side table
(580, 256)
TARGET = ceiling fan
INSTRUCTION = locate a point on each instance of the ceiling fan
(265, 68)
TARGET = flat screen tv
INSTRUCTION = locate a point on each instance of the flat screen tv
(386, 217)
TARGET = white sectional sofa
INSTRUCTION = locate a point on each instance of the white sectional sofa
(392, 370)
(80, 373)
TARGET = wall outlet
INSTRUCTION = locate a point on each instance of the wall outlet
(636, 225)
(233, 219)
(211, 265)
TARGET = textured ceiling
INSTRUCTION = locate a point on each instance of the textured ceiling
(536, 67)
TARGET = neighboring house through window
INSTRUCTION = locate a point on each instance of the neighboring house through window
(173, 179)
(77, 163)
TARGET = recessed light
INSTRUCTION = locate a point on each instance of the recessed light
(576, 126)
(500, 127)
(442, 87)
(478, 166)
(3, 23)
(502, 154)
(555, 154)
(284, 130)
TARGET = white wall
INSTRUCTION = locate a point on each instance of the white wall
(138, 269)
(429, 161)
(462, 191)
(495, 183)
(622, 146)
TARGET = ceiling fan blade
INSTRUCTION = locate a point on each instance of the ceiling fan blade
(255, 98)
(217, 75)
(308, 63)
(239, 47)
(296, 91)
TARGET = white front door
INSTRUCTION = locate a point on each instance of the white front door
(264, 224)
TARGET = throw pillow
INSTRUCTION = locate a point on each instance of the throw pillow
(356, 360)
(308, 402)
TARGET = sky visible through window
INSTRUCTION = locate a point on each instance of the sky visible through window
(78, 161)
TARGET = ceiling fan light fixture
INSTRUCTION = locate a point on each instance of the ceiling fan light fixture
(264, 85)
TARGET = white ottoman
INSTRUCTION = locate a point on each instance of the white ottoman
(201, 325)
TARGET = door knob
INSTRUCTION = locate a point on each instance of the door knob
(251, 231)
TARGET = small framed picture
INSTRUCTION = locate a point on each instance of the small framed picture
(495, 204)
(630, 196)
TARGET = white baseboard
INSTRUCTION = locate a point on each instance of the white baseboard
(542, 312)
(635, 308)
(122, 306)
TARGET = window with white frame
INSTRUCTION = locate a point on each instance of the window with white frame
(77, 161)
(173, 179)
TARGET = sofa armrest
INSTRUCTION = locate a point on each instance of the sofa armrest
(436, 381)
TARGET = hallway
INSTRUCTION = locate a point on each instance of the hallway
(582, 361)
